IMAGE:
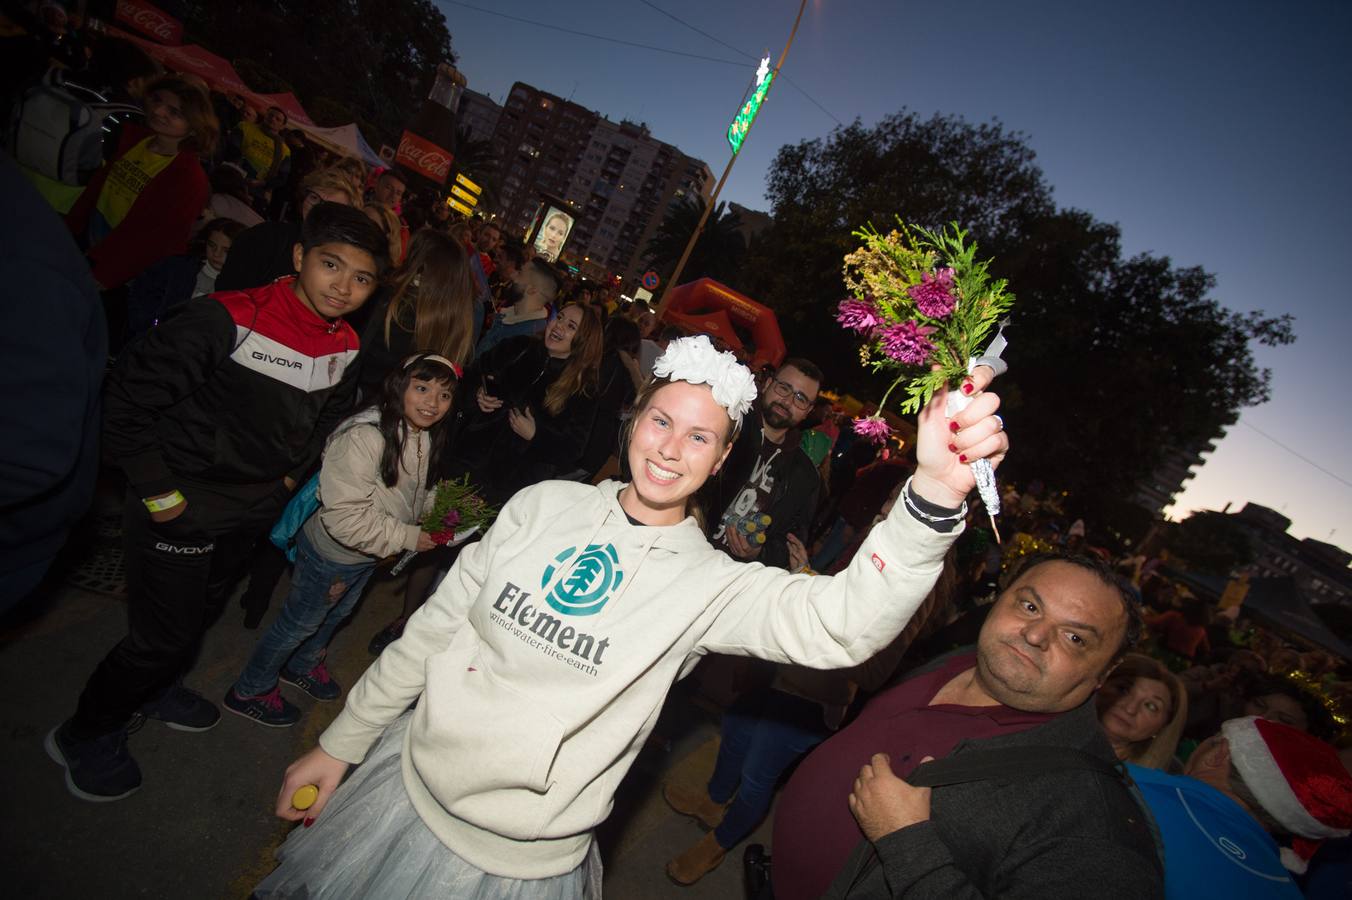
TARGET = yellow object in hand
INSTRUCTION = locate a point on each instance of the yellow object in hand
(755, 523)
(304, 797)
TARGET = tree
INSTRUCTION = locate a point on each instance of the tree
(477, 161)
(1139, 362)
(928, 171)
(718, 252)
(377, 57)
(1113, 361)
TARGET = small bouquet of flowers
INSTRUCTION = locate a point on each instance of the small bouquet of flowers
(925, 306)
(456, 513)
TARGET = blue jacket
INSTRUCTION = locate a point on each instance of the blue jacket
(1212, 847)
(501, 330)
(55, 347)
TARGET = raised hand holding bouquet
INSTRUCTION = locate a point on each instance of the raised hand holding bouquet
(456, 514)
(925, 307)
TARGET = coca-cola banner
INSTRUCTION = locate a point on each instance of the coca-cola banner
(424, 157)
(150, 20)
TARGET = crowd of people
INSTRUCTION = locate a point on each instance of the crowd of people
(299, 350)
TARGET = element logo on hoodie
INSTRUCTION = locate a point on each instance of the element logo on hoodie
(586, 585)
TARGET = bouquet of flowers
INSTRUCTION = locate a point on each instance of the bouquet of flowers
(925, 307)
(456, 513)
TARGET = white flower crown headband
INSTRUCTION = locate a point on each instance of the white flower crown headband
(694, 359)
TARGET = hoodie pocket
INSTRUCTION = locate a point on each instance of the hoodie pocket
(488, 752)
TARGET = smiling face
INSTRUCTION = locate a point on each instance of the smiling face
(1133, 710)
(334, 279)
(426, 402)
(679, 438)
(1048, 640)
(560, 333)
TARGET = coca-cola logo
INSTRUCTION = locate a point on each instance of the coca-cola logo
(150, 20)
(425, 156)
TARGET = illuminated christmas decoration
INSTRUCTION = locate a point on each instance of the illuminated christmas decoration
(737, 131)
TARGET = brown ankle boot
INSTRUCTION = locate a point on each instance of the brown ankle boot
(694, 803)
(698, 861)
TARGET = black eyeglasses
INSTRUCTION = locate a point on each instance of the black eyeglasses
(784, 389)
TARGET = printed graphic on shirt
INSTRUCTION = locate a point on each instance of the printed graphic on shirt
(259, 148)
(1230, 848)
(127, 178)
(547, 633)
(587, 586)
(755, 494)
(286, 364)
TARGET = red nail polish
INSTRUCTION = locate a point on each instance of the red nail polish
(967, 387)
(952, 448)
(309, 822)
(952, 426)
(962, 457)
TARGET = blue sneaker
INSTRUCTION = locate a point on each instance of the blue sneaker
(270, 709)
(100, 769)
(183, 710)
(317, 682)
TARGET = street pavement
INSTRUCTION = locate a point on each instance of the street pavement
(201, 825)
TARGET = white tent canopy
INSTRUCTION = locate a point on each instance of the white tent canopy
(345, 139)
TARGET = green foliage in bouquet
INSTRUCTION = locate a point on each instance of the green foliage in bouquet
(456, 507)
(921, 300)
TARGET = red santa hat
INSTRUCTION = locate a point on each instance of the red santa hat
(1297, 779)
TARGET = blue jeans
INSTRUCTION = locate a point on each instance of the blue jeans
(764, 733)
(323, 594)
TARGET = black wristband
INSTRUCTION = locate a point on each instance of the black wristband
(942, 519)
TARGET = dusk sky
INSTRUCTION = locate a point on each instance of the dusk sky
(1215, 133)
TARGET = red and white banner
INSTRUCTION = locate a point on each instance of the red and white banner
(424, 157)
(151, 20)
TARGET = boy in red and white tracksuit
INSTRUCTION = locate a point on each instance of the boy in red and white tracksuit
(214, 417)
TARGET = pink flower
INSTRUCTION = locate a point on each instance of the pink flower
(452, 519)
(933, 295)
(858, 315)
(874, 428)
(908, 342)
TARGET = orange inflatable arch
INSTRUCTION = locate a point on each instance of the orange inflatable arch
(744, 326)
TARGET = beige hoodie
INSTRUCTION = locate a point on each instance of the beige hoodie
(359, 516)
(543, 659)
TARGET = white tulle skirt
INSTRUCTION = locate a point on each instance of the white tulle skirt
(370, 843)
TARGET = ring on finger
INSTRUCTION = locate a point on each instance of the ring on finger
(999, 420)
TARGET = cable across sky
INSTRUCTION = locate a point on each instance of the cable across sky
(652, 47)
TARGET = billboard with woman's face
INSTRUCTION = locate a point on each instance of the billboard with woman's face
(553, 233)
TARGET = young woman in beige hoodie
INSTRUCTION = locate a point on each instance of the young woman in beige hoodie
(540, 664)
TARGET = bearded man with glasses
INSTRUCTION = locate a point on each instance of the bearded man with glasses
(767, 471)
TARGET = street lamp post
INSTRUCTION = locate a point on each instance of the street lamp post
(713, 199)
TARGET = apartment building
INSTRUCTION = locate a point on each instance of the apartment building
(615, 177)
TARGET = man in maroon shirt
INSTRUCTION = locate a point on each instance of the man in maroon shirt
(1046, 645)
